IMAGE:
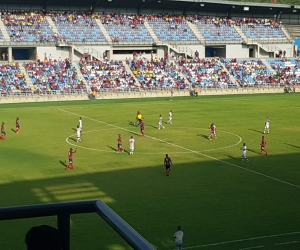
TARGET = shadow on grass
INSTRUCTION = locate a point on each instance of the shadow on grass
(74, 129)
(254, 151)
(203, 136)
(64, 163)
(132, 124)
(291, 145)
(13, 130)
(72, 139)
(152, 126)
(112, 148)
(257, 131)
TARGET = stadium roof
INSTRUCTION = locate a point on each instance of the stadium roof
(185, 6)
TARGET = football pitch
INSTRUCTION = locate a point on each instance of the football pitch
(219, 201)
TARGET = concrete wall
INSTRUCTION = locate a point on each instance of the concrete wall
(142, 94)
(237, 51)
(56, 52)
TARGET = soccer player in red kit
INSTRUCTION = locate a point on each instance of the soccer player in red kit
(142, 126)
(212, 131)
(70, 156)
(263, 145)
(168, 164)
(120, 142)
(3, 134)
(17, 125)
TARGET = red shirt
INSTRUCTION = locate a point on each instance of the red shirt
(70, 154)
(2, 128)
(142, 126)
(17, 123)
(263, 142)
(120, 140)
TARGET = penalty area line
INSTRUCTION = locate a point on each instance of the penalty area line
(243, 240)
(186, 149)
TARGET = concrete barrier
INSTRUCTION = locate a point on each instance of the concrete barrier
(142, 94)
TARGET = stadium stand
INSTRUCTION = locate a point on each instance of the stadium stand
(78, 26)
(204, 73)
(107, 75)
(216, 29)
(258, 29)
(31, 26)
(249, 72)
(54, 77)
(288, 70)
(157, 74)
(12, 81)
(172, 28)
(129, 28)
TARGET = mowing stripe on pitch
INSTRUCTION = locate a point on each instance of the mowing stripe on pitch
(190, 150)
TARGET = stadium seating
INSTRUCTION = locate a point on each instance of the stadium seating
(158, 74)
(11, 79)
(127, 28)
(107, 75)
(288, 70)
(216, 30)
(204, 73)
(28, 27)
(77, 27)
(248, 72)
(54, 76)
(171, 28)
(261, 31)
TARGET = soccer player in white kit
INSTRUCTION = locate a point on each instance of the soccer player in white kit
(244, 153)
(131, 145)
(267, 126)
(78, 131)
(170, 117)
(160, 123)
(80, 125)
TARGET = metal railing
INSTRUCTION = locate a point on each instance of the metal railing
(63, 211)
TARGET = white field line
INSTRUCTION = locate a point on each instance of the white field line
(251, 247)
(106, 151)
(190, 150)
(285, 243)
(241, 240)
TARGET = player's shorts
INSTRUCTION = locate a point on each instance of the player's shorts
(80, 128)
(243, 155)
(168, 167)
(70, 161)
(17, 127)
(267, 126)
(262, 148)
(132, 148)
(142, 130)
(139, 120)
(119, 145)
(3, 133)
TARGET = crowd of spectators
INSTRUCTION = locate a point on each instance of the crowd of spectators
(28, 26)
(54, 76)
(204, 73)
(287, 70)
(81, 26)
(12, 81)
(157, 73)
(250, 72)
(107, 75)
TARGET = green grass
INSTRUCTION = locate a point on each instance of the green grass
(210, 192)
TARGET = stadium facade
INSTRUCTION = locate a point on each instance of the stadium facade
(245, 47)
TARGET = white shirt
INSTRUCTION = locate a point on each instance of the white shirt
(80, 123)
(131, 142)
(267, 123)
(160, 120)
(170, 114)
(244, 149)
(78, 132)
(178, 237)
